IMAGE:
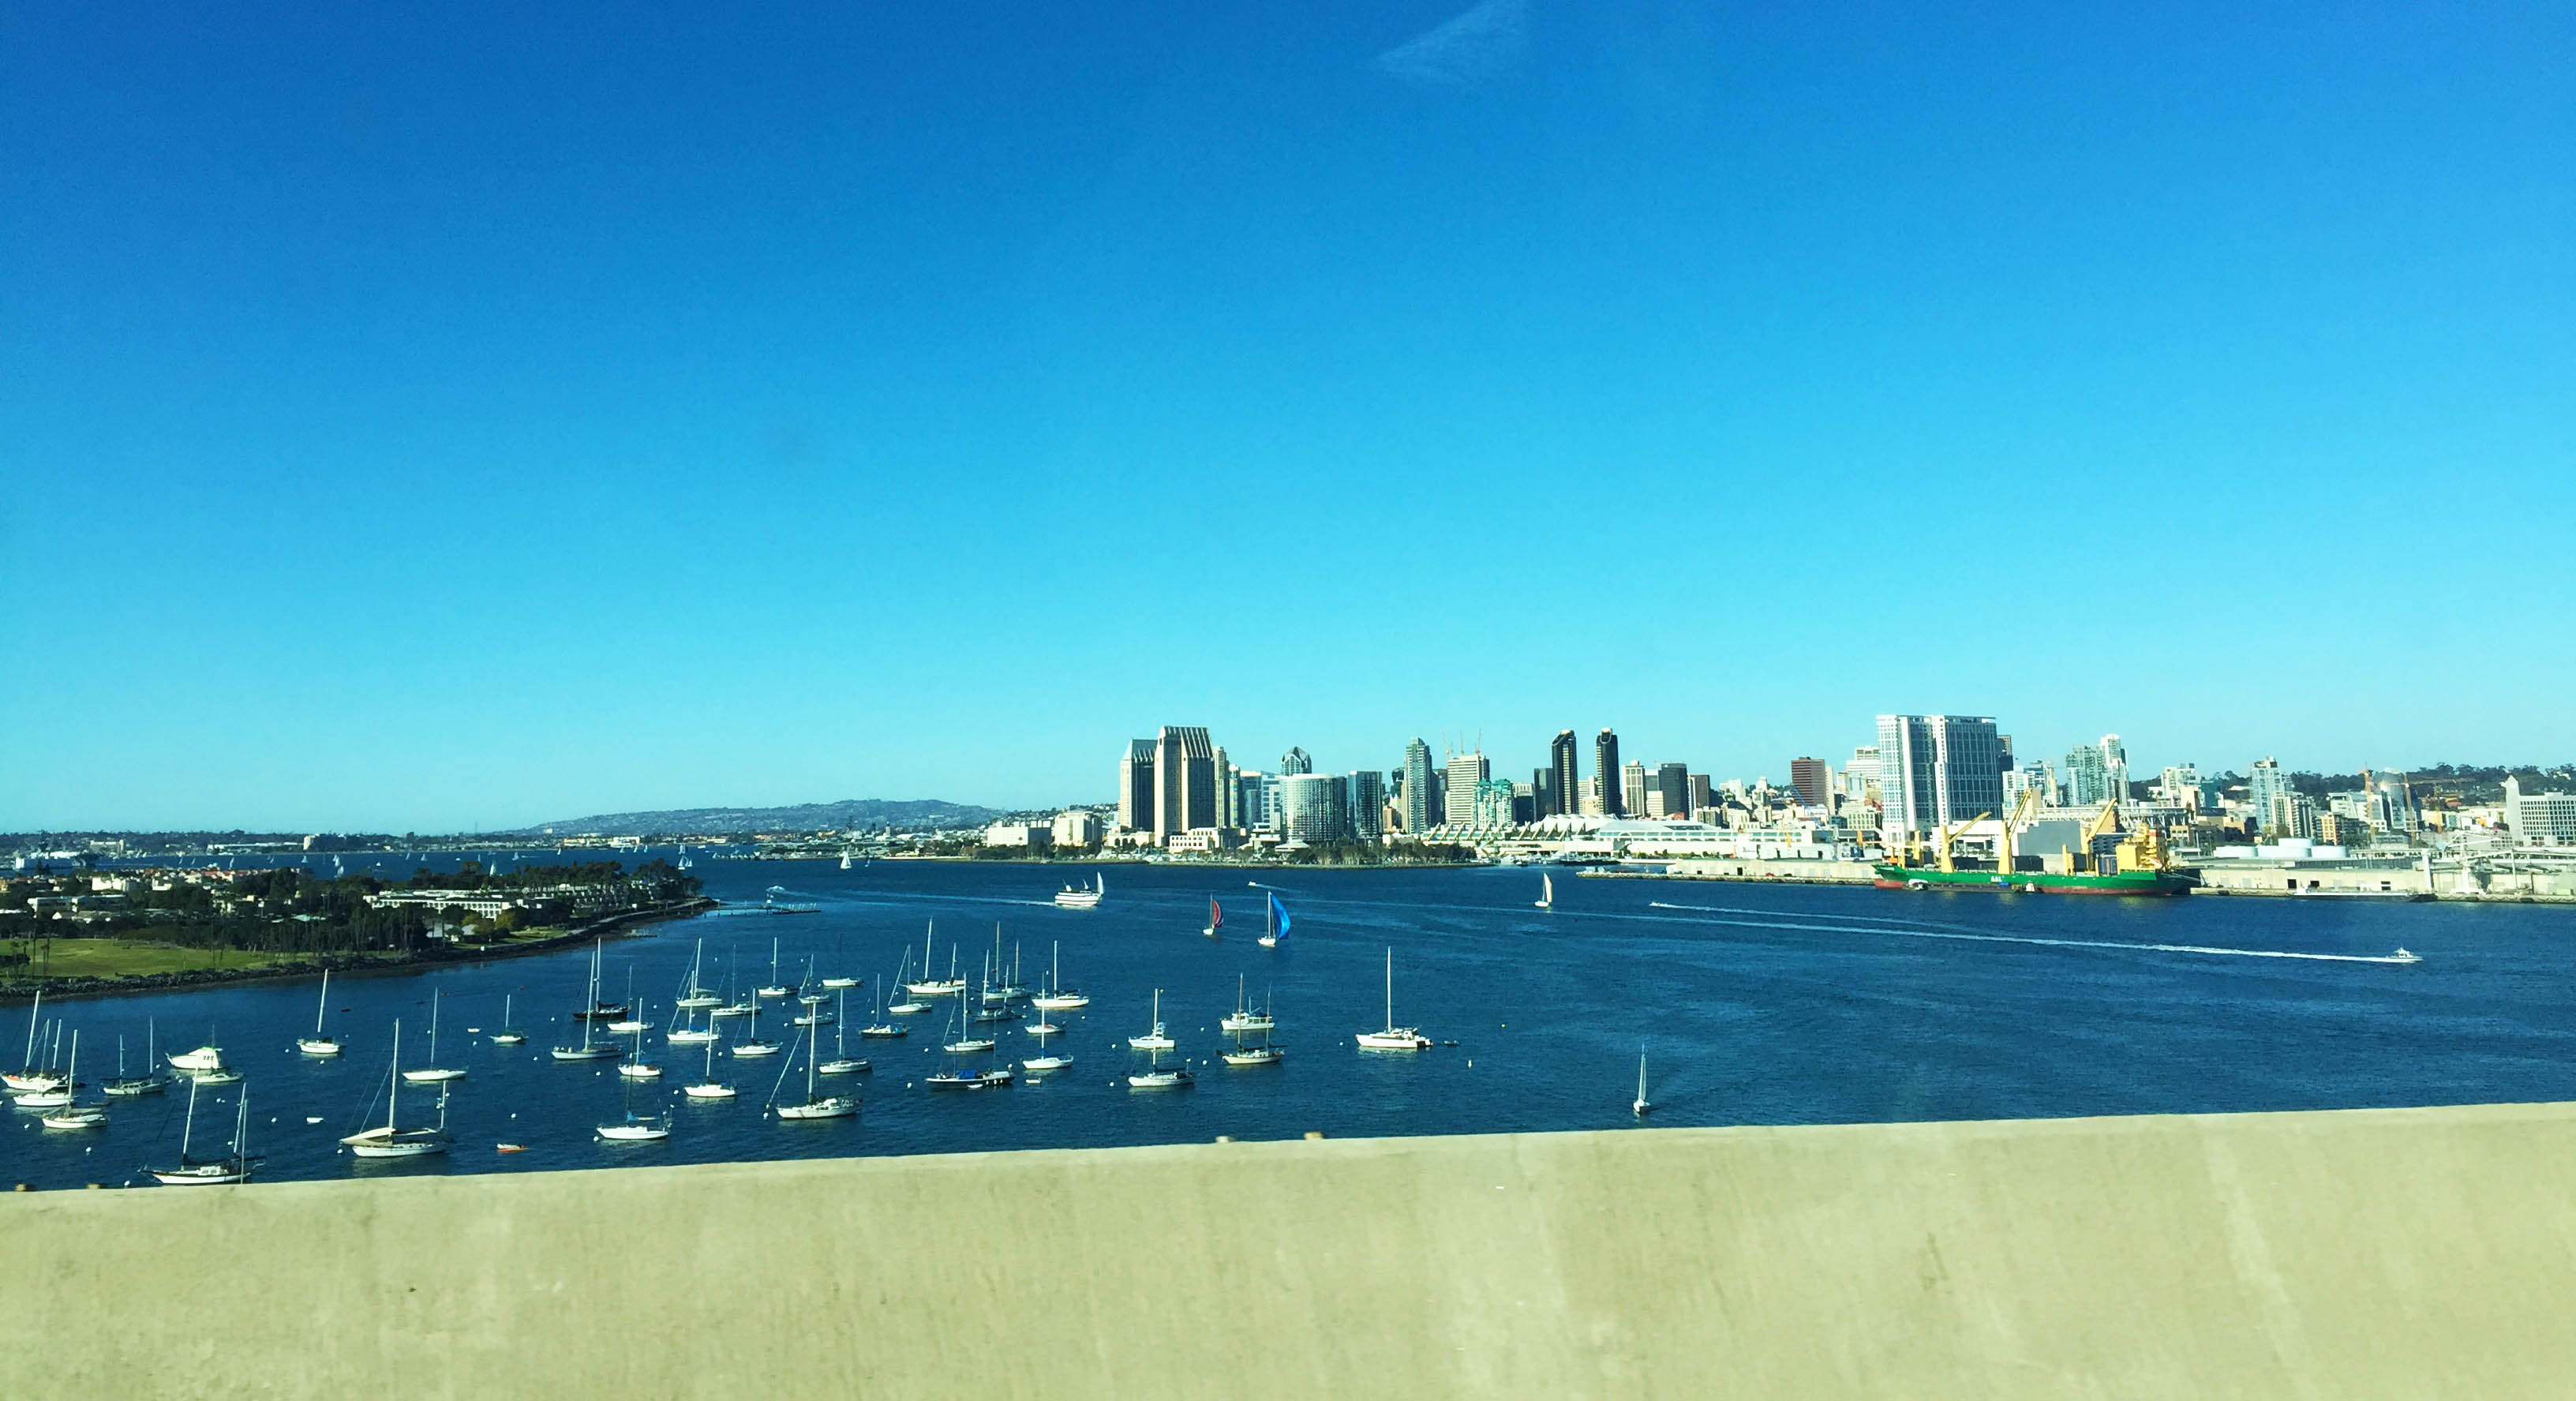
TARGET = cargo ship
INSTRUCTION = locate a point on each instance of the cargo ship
(2124, 864)
(1892, 876)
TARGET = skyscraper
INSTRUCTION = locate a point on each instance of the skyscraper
(2086, 783)
(1314, 807)
(1632, 789)
(1567, 783)
(1543, 799)
(1465, 772)
(2265, 787)
(1367, 803)
(1673, 781)
(1184, 781)
(1296, 760)
(1937, 768)
(1136, 786)
(1813, 780)
(1415, 790)
(1605, 767)
(2115, 768)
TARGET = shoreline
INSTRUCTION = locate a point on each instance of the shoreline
(608, 927)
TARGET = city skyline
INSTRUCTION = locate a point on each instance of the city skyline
(465, 422)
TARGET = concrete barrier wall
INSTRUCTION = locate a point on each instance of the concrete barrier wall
(2402, 1253)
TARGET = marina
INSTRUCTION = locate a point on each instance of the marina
(1758, 1005)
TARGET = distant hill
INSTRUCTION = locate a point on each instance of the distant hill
(849, 814)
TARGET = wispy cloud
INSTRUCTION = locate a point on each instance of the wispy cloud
(1482, 43)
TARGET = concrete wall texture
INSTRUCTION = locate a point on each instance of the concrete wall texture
(2402, 1253)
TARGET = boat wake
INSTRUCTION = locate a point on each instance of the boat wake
(2400, 957)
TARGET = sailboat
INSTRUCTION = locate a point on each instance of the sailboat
(1058, 997)
(817, 1105)
(1275, 920)
(1393, 1038)
(845, 861)
(1155, 1076)
(33, 1078)
(842, 1063)
(1074, 897)
(775, 987)
(147, 1083)
(1546, 891)
(1153, 1040)
(930, 986)
(630, 1018)
(190, 1173)
(635, 1067)
(710, 1087)
(1243, 1018)
(635, 1128)
(394, 1141)
(1216, 919)
(879, 1026)
(751, 1044)
(694, 996)
(968, 1041)
(318, 1044)
(586, 1050)
(435, 1073)
(1044, 1060)
(505, 1036)
(60, 1096)
(72, 1114)
(1642, 1104)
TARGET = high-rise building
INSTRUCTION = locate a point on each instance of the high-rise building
(1700, 794)
(1605, 767)
(1315, 807)
(1184, 781)
(2538, 819)
(1861, 774)
(1673, 780)
(2265, 786)
(1414, 792)
(2086, 783)
(1936, 769)
(1632, 789)
(1225, 815)
(1465, 772)
(1366, 803)
(1814, 780)
(1493, 803)
(1565, 784)
(1136, 786)
(2392, 808)
(2003, 754)
(1252, 808)
(1296, 760)
(2115, 768)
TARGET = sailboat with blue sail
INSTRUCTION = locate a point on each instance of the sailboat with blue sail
(1276, 927)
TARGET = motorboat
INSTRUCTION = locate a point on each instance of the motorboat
(1154, 1040)
(972, 1080)
(1076, 897)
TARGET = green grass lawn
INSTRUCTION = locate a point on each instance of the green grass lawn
(124, 958)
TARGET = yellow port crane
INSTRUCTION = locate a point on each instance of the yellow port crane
(1949, 832)
(2021, 812)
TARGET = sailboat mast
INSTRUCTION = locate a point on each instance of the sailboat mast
(393, 1094)
(324, 1004)
(1390, 987)
(190, 1127)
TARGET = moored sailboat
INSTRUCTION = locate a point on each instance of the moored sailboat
(1393, 1038)
(318, 1044)
(392, 1140)
(433, 1073)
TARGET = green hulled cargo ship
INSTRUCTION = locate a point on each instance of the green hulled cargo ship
(1895, 877)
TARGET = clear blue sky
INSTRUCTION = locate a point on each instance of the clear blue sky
(428, 417)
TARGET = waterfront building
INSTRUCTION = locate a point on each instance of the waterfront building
(1861, 774)
(1814, 780)
(1632, 788)
(1492, 810)
(1136, 786)
(1296, 760)
(1184, 781)
(1465, 772)
(2179, 785)
(1020, 834)
(1077, 827)
(1315, 807)
(1937, 769)
(1565, 784)
(1366, 804)
(2291, 815)
(2115, 768)
(1414, 793)
(2539, 819)
(2392, 806)
(1605, 772)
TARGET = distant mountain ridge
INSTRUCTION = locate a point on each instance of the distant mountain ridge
(849, 814)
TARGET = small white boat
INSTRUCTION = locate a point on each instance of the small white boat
(148, 1083)
(775, 989)
(318, 1044)
(72, 1114)
(838, 983)
(1243, 1018)
(690, 1035)
(1274, 920)
(1044, 1061)
(1075, 897)
(1157, 1076)
(842, 1062)
(190, 1173)
(34, 1079)
(1393, 1038)
(1154, 1040)
(391, 1140)
(206, 1057)
(1216, 920)
(586, 1050)
(2402, 956)
(635, 1129)
(818, 1105)
(1254, 1055)
(1546, 891)
(970, 1080)
(635, 1067)
(1641, 1106)
(880, 1027)
(710, 1087)
(435, 1073)
(929, 986)
(505, 1036)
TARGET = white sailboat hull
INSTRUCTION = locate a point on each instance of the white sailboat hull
(708, 1091)
(1400, 1039)
(431, 1076)
(584, 1052)
(834, 1107)
(317, 1046)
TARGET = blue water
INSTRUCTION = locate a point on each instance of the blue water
(1753, 1004)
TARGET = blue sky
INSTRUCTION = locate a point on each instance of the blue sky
(470, 416)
